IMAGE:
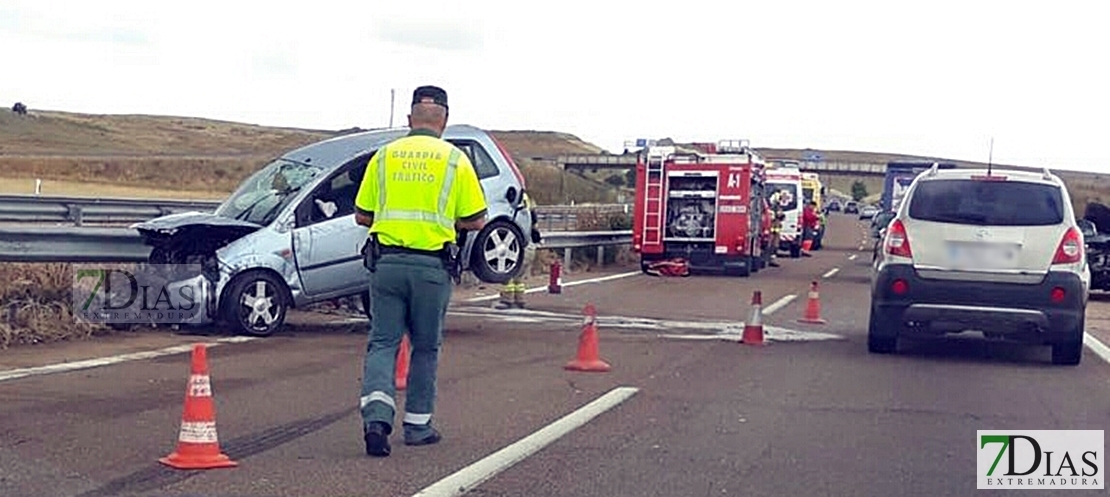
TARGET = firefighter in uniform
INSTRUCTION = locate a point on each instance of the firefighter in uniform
(417, 192)
(776, 229)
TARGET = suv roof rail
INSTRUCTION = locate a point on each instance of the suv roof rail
(1047, 174)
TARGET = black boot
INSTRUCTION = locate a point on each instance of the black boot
(376, 436)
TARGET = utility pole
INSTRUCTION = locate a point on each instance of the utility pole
(392, 100)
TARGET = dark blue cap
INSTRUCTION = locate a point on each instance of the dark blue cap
(435, 93)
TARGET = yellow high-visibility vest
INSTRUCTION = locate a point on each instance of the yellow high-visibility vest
(416, 188)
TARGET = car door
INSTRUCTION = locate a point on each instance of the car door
(327, 241)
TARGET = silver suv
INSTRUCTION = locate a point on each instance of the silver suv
(287, 236)
(996, 251)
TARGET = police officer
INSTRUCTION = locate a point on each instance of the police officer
(418, 190)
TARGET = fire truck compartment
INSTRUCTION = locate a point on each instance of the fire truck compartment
(691, 209)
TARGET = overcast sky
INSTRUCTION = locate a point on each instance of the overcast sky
(933, 78)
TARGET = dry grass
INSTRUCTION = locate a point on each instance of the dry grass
(35, 306)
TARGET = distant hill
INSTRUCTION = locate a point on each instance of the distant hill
(146, 155)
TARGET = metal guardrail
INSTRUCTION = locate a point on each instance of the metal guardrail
(105, 211)
(71, 244)
(103, 245)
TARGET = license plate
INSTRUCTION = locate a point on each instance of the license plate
(982, 255)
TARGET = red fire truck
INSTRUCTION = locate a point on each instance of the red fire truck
(704, 206)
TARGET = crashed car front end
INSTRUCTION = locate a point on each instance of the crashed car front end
(201, 239)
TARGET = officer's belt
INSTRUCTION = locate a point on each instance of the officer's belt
(393, 249)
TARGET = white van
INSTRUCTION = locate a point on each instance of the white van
(788, 182)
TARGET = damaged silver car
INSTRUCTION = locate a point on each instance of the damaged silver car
(287, 237)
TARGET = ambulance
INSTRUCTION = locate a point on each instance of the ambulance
(785, 179)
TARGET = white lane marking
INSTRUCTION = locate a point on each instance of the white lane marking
(13, 374)
(1100, 349)
(831, 273)
(770, 333)
(468, 478)
(853, 257)
(599, 279)
(779, 304)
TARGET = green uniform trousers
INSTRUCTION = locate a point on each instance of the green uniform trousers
(407, 293)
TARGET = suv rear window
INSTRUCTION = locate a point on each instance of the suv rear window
(987, 203)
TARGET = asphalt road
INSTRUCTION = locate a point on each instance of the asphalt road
(810, 413)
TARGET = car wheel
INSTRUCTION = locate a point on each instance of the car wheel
(1070, 353)
(255, 304)
(880, 339)
(498, 252)
(1067, 353)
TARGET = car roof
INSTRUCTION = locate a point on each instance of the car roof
(334, 152)
(1045, 177)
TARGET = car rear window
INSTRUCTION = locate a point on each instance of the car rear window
(988, 203)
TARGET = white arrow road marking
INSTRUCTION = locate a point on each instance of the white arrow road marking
(543, 288)
(779, 304)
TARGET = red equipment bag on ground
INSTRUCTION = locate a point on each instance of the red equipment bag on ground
(670, 267)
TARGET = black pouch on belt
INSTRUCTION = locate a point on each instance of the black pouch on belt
(371, 252)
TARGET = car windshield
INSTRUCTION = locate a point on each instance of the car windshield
(987, 203)
(788, 199)
(266, 193)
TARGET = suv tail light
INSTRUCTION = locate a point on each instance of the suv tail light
(1070, 250)
(897, 243)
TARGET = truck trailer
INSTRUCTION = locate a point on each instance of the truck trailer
(704, 207)
(899, 176)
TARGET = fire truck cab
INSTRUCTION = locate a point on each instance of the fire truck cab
(786, 180)
(703, 206)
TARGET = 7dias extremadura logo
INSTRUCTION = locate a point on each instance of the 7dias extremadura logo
(1064, 459)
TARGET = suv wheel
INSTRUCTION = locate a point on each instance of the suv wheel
(255, 304)
(498, 252)
(1069, 353)
(882, 334)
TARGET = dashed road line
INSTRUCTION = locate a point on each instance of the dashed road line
(853, 257)
(468, 478)
(599, 279)
(13, 374)
(1100, 349)
(779, 304)
(830, 273)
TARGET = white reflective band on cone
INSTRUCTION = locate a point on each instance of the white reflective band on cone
(198, 432)
(757, 318)
(812, 295)
(200, 385)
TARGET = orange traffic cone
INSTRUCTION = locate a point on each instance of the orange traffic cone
(198, 446)
(807, 245)
(401, 372)
(753, 329)
(813, 307)
(588, 358)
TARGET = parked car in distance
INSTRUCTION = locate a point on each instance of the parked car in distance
(868, 212)
(851, 208)
(999, 252)
(287, 236)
